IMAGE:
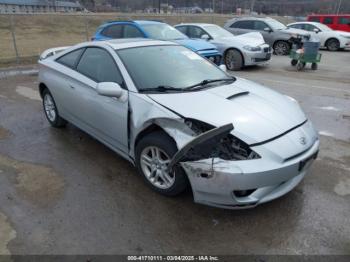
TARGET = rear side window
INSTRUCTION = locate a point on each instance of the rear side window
(297, 26)
(315, 19)
(243, 24)
(131, 31)
(344, 20)
(71, 58)
(328, 20)
(113, 31)
(98, 64)
(196, 32)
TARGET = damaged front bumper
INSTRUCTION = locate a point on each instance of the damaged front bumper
(239, 184)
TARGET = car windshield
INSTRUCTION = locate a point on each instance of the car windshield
(171, 66)
(275, 25)
(163, 32)
(217, 31)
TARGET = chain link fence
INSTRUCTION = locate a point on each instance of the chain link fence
(23, 37)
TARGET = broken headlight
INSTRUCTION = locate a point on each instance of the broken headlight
(227, 147)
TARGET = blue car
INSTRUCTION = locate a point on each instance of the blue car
(156, 30)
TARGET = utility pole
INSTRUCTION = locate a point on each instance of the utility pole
(252, 4)
(213, 4)
(159, 4)
(338, 10)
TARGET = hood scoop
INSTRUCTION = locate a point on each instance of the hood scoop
(237, 95)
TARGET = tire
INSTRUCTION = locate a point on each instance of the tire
(146, 163)
(314, 66)
(294, 62)
(50, 110)
(281, 48)
(233, 60)
(300, 66)
(333, 44)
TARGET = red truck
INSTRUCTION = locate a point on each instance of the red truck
(336, 22)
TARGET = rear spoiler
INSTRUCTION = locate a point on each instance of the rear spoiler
(52, 51)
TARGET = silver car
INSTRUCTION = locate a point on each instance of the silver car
(276, 34)
(237, 51)
(181, 120)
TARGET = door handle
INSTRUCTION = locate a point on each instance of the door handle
(72, 87)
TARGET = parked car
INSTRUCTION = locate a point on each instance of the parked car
(336, 22)
(276, 34)
(156, 30)
(331, 39)
(181, 120)
(237, 51)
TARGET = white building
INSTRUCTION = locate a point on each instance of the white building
(38, 6)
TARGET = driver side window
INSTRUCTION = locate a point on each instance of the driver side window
(97, 64)
(260, 26)
(196, 32)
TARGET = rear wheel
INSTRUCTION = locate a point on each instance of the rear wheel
(294, 62)
(281, 48)
(314, 66)
(51, 111)
(153, 155)
(233, 60)
(333, 44)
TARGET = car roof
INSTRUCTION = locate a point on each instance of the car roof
(134, 42)
(197, 24)
(252, 18)
(306, 22)
(139, 22)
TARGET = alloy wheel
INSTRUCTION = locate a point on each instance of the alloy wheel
(154, 162)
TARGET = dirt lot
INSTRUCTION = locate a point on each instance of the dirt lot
(36, 33)
(62, 192)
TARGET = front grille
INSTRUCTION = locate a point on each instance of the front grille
(216, 59)
(262, 59)
(266, 49)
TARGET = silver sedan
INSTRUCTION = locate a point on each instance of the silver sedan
(237, 51)
(181, 120)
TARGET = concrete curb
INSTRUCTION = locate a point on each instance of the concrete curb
(15, 71)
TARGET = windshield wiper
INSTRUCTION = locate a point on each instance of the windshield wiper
(209, 81)
(160, 89)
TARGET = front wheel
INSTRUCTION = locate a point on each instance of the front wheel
(51, 111)
(333, 45)
(233, 60)
(294, 62)
(153, 155)
(281, 48)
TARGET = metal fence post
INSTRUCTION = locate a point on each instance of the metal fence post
(87, 28)
(12, 29)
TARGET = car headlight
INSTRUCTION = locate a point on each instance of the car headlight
(252, 48)
(228, 148)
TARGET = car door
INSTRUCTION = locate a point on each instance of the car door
(103, 117)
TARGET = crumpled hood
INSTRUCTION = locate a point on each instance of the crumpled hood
(252, 39)
(257, 113)
(196, 44)
(295, 31)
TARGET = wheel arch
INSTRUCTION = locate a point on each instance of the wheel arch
(42, 87)
(331, 38)
(281, 40)
(236, 49)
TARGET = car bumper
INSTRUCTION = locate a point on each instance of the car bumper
(257, 58)
(234, 185)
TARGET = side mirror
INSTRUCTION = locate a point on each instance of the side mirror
(109, 89)
(267, 29)
(223, 67)
(316, 30)
(205, 37)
